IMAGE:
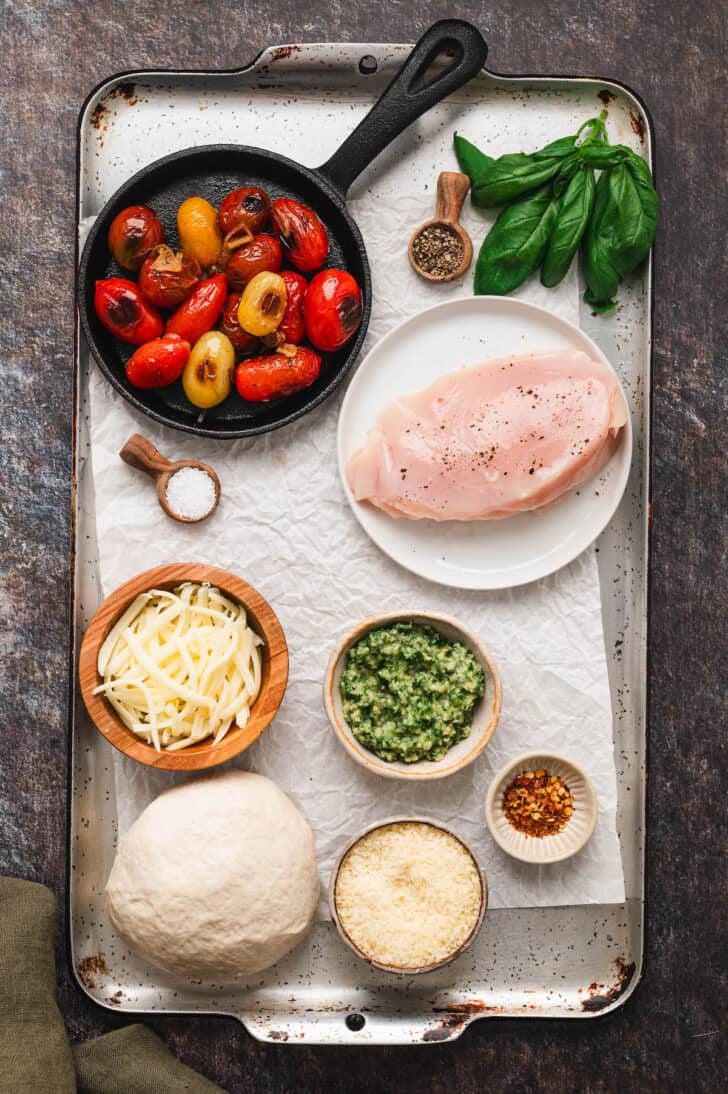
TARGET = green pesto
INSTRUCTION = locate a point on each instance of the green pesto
(408, 693)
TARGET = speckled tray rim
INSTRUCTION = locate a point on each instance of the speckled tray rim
(453, 1024)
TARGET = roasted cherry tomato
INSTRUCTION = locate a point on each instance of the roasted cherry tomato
(247, 208)
(208, 374)
(200, 311)
(292, 326)
(261, 254)
(167, 276)
(244, 343)
(199, 235)
(260, 379)
(132, 235)
(262, 304)
(158, 363)
(332, 309)
(302, 233)
(123, 310)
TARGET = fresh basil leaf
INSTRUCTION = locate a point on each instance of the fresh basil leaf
(622, 227)
(638, 222)
(602, 277)
(510, 177)
(598, 306)
(470, 159)
(515, 246)
(557, 149)
(601, 156)
(575, 208)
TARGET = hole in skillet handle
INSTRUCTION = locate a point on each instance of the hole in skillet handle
(437, 66)
(355, 1022)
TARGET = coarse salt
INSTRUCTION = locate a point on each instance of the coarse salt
(191, 493)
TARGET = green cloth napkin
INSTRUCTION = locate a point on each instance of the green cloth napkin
(35, 1056)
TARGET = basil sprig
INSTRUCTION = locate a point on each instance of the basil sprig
(554, 204)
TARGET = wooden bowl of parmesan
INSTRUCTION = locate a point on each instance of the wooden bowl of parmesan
(408, 895)
(183, 667)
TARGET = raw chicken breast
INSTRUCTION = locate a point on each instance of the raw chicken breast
(495, 439)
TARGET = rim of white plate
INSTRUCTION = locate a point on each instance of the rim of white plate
(359, 508)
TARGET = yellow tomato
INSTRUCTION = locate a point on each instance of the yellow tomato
(199, 235)
(207, 376)
(262, 304)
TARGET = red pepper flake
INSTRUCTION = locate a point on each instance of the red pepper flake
(538, 804)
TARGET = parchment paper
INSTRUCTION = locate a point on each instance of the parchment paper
(284, 525)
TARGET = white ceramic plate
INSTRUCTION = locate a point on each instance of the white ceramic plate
(486, 554)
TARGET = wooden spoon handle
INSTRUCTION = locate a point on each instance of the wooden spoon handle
(452, 186)
(140, 453)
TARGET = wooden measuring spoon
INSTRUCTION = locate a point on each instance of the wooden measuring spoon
(452, 186)
(140, 453)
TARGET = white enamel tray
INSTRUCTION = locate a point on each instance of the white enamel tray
(566, 962)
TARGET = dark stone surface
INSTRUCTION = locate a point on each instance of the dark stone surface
(668, 1036)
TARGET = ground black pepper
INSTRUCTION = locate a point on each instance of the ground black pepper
(437, 250)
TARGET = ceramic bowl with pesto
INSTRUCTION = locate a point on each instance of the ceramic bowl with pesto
(433, 719)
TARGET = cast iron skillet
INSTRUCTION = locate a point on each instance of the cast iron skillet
(213, 170)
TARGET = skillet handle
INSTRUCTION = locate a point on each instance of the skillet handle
(408, 96)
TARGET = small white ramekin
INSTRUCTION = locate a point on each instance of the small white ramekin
(543, 849)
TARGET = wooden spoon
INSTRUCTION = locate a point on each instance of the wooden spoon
(452, 186)
(140, 453)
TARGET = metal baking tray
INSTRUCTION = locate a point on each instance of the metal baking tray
(566, 962)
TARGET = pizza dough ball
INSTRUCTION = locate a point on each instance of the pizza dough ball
(216, 878)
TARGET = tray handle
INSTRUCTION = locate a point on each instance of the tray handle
(410, 94)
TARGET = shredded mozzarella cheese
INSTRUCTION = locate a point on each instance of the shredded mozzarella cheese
(408, 894)
(180, 666)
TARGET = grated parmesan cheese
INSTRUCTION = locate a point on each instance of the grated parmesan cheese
(408, 894)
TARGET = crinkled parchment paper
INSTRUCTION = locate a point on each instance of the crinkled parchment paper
(285, 526)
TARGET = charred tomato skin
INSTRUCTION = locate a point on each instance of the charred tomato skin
(247, 207)
(263, 253)
(332, 309)
(302, 234)
(122, 309)
(292, 325)
(244, 343)
(260, 379)
(167, 276)
(200, 311)
(158, 363)
(133, 233)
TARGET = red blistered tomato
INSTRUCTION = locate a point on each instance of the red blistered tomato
(263, 254)
(123, 310)
(332, 309)
(158, 363)
(292, 326)
(167, 276)
(132, 235)
(248, 207)
(200, 311)
(302, 233)
(260, 379)
(244, 343)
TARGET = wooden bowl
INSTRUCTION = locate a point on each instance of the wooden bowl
(274, 669)
(409, 971)
(485, 715)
